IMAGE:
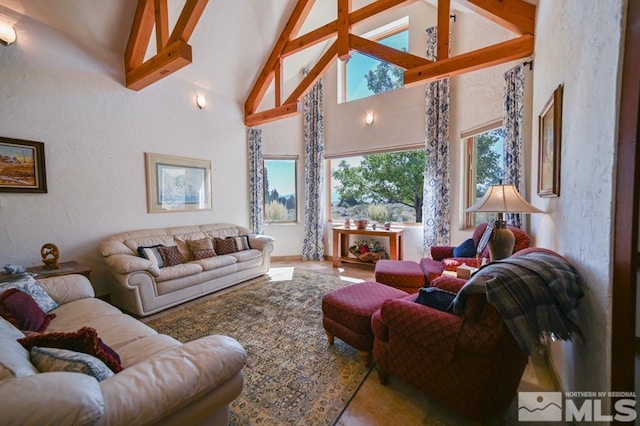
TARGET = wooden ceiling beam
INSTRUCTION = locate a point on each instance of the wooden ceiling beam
(517, 16)
(273, 114)
(293, 25)
(444, 8)
(388, 54)
(162, 24)
(140, 35)
(170, 60)
(188, 19)
(344, 28)
(507, 51)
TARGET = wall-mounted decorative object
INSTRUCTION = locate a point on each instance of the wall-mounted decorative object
(50, 256)
(7, 34)
(22, 167)
(177, 184)
(549, 143)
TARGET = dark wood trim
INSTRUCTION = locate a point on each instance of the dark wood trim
(625, 243)
(637, 345)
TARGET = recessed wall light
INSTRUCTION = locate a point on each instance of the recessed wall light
(7, 34)
(201, 101)
(369, 118)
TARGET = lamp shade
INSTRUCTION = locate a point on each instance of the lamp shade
(503, 199)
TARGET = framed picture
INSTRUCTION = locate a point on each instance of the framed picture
(22, 167)
(177, 184)
(550, 139)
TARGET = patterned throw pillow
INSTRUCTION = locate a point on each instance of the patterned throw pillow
(23, 312)
(203, 244)
(85, 340)
(152, 253)
(170, 256)
(203, 254)
(226, 246)
(29, 285)
(54, 359)
(242, 242)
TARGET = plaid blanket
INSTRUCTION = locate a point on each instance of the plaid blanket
(536, 294)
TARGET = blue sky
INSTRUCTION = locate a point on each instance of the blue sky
(281, 176)
(360, 64)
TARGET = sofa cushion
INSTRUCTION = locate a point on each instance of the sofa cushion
(84, 340)
(23, 312)
(152, 253)
(30, 286)
(178, 271)
(216, 262)
(245, 255)
(53, 359)
(466, 249)
(14, 359)
(170, 256)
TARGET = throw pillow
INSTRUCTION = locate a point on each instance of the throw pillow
(466, 249)
(23, 312)
(241, 242)
(151, 253)
(202, 244)
(29, 285)
(226, 246)
(203, 254)
(435, 298)
(85, 340)
(170, 255)
(54, 359)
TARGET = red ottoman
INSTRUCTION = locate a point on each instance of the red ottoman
(346, 313)
(401, 274)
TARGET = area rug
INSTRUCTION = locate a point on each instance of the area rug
(292, 375)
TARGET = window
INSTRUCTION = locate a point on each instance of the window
(379, 187)
(280, 196)
(363, 76)
(483, 166)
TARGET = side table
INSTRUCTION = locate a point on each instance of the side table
(66, 268)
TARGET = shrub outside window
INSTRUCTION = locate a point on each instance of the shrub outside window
(280, 196)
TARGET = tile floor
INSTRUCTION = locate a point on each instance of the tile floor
(396, 403)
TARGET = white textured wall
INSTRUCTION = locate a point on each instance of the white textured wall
(95, 133)
(578, 45)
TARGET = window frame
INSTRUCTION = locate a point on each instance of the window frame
(469, 178)
(377, 34)
(294, 159)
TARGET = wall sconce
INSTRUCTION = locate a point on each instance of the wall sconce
(201, 101)
(7, 34)
(369, 118)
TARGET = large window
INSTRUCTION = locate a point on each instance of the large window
(379, 187)
(483, 166)
(280, 197)
(363, 76)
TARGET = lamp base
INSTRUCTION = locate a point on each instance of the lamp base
(501, 242)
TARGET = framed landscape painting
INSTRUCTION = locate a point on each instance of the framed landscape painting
(177, 184)
(550, 138)
(22, 166)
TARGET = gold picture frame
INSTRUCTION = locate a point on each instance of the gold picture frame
(549, 144)
(177, 184)
(22, 166)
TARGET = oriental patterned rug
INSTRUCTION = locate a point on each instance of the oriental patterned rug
(292, 375)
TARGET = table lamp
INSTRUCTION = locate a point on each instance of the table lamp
(502, 199)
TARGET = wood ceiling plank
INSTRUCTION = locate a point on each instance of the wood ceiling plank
(344, 28)
(517, 16)
(388, 54)
(166, 62)
(293, 25)
(273, 114)
(507, 51)
(162, 24)
(444, 8)
(140, 35)
(314, 74)
(189, 17)
(278, 83)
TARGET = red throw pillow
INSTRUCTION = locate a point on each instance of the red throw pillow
(170, 255)
(23, 312)
(85, 340)
(203, 254)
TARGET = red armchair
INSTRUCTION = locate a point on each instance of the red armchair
(469, 363)
(442, 257)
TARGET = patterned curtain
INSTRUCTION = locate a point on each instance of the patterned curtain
(513, 104)
(256, 176)
(313, 244)
(436, 202)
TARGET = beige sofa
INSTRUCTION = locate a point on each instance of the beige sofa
(163, 380)
(139, 286)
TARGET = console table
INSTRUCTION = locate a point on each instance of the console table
(341, 243)
(66, 268)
